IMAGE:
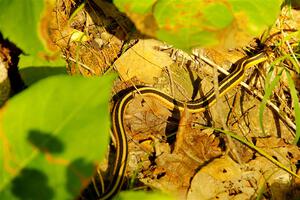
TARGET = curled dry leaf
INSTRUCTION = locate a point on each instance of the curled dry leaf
(151, 160)
(145, 123)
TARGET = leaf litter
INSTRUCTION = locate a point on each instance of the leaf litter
(199, 165)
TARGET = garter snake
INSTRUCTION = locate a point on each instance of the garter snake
(199, 105)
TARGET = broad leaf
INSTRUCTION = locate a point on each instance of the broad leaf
(193, 23)
(25, 24)
(53, 135)
(31, 75)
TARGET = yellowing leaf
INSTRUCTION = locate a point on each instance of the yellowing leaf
(192, 23)
(52, 137)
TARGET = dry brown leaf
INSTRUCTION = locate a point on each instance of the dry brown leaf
(225, 179)
(143, 60)
(279, 182)
(145, 122)
(196, 144)
(172, 172)
(285, 153)
(209, 181)
(270, 142)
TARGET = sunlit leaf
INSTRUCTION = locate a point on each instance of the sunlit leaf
(25, 24)
(141, 7)
(54, 133)
(193, 23)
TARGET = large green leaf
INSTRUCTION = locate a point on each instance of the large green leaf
(188, 24)
(254, 16)
(31, 75)
(54, 134)
(193, 23)
(142, 7)
(21, 23)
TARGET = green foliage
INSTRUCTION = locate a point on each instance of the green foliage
(185, 26)
(21, 24)
(295, 99)
(255, 14)
(54, 134)
(193, 23)
(271, 84)
(31, 75)
(141, 7)
(142, 195)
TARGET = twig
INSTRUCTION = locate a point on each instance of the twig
(80, 63)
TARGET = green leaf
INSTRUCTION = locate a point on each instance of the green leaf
(141, 7)
(255, 14)
(295, 103)
(21, 17)
(185, 25)
(21, 23)
(31, 75)
(54, 134)
(143, 195)
(193, 23)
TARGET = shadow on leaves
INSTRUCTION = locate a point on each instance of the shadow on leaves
(31, 75)
(79, 174)
(45, 142)
(32, 184)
